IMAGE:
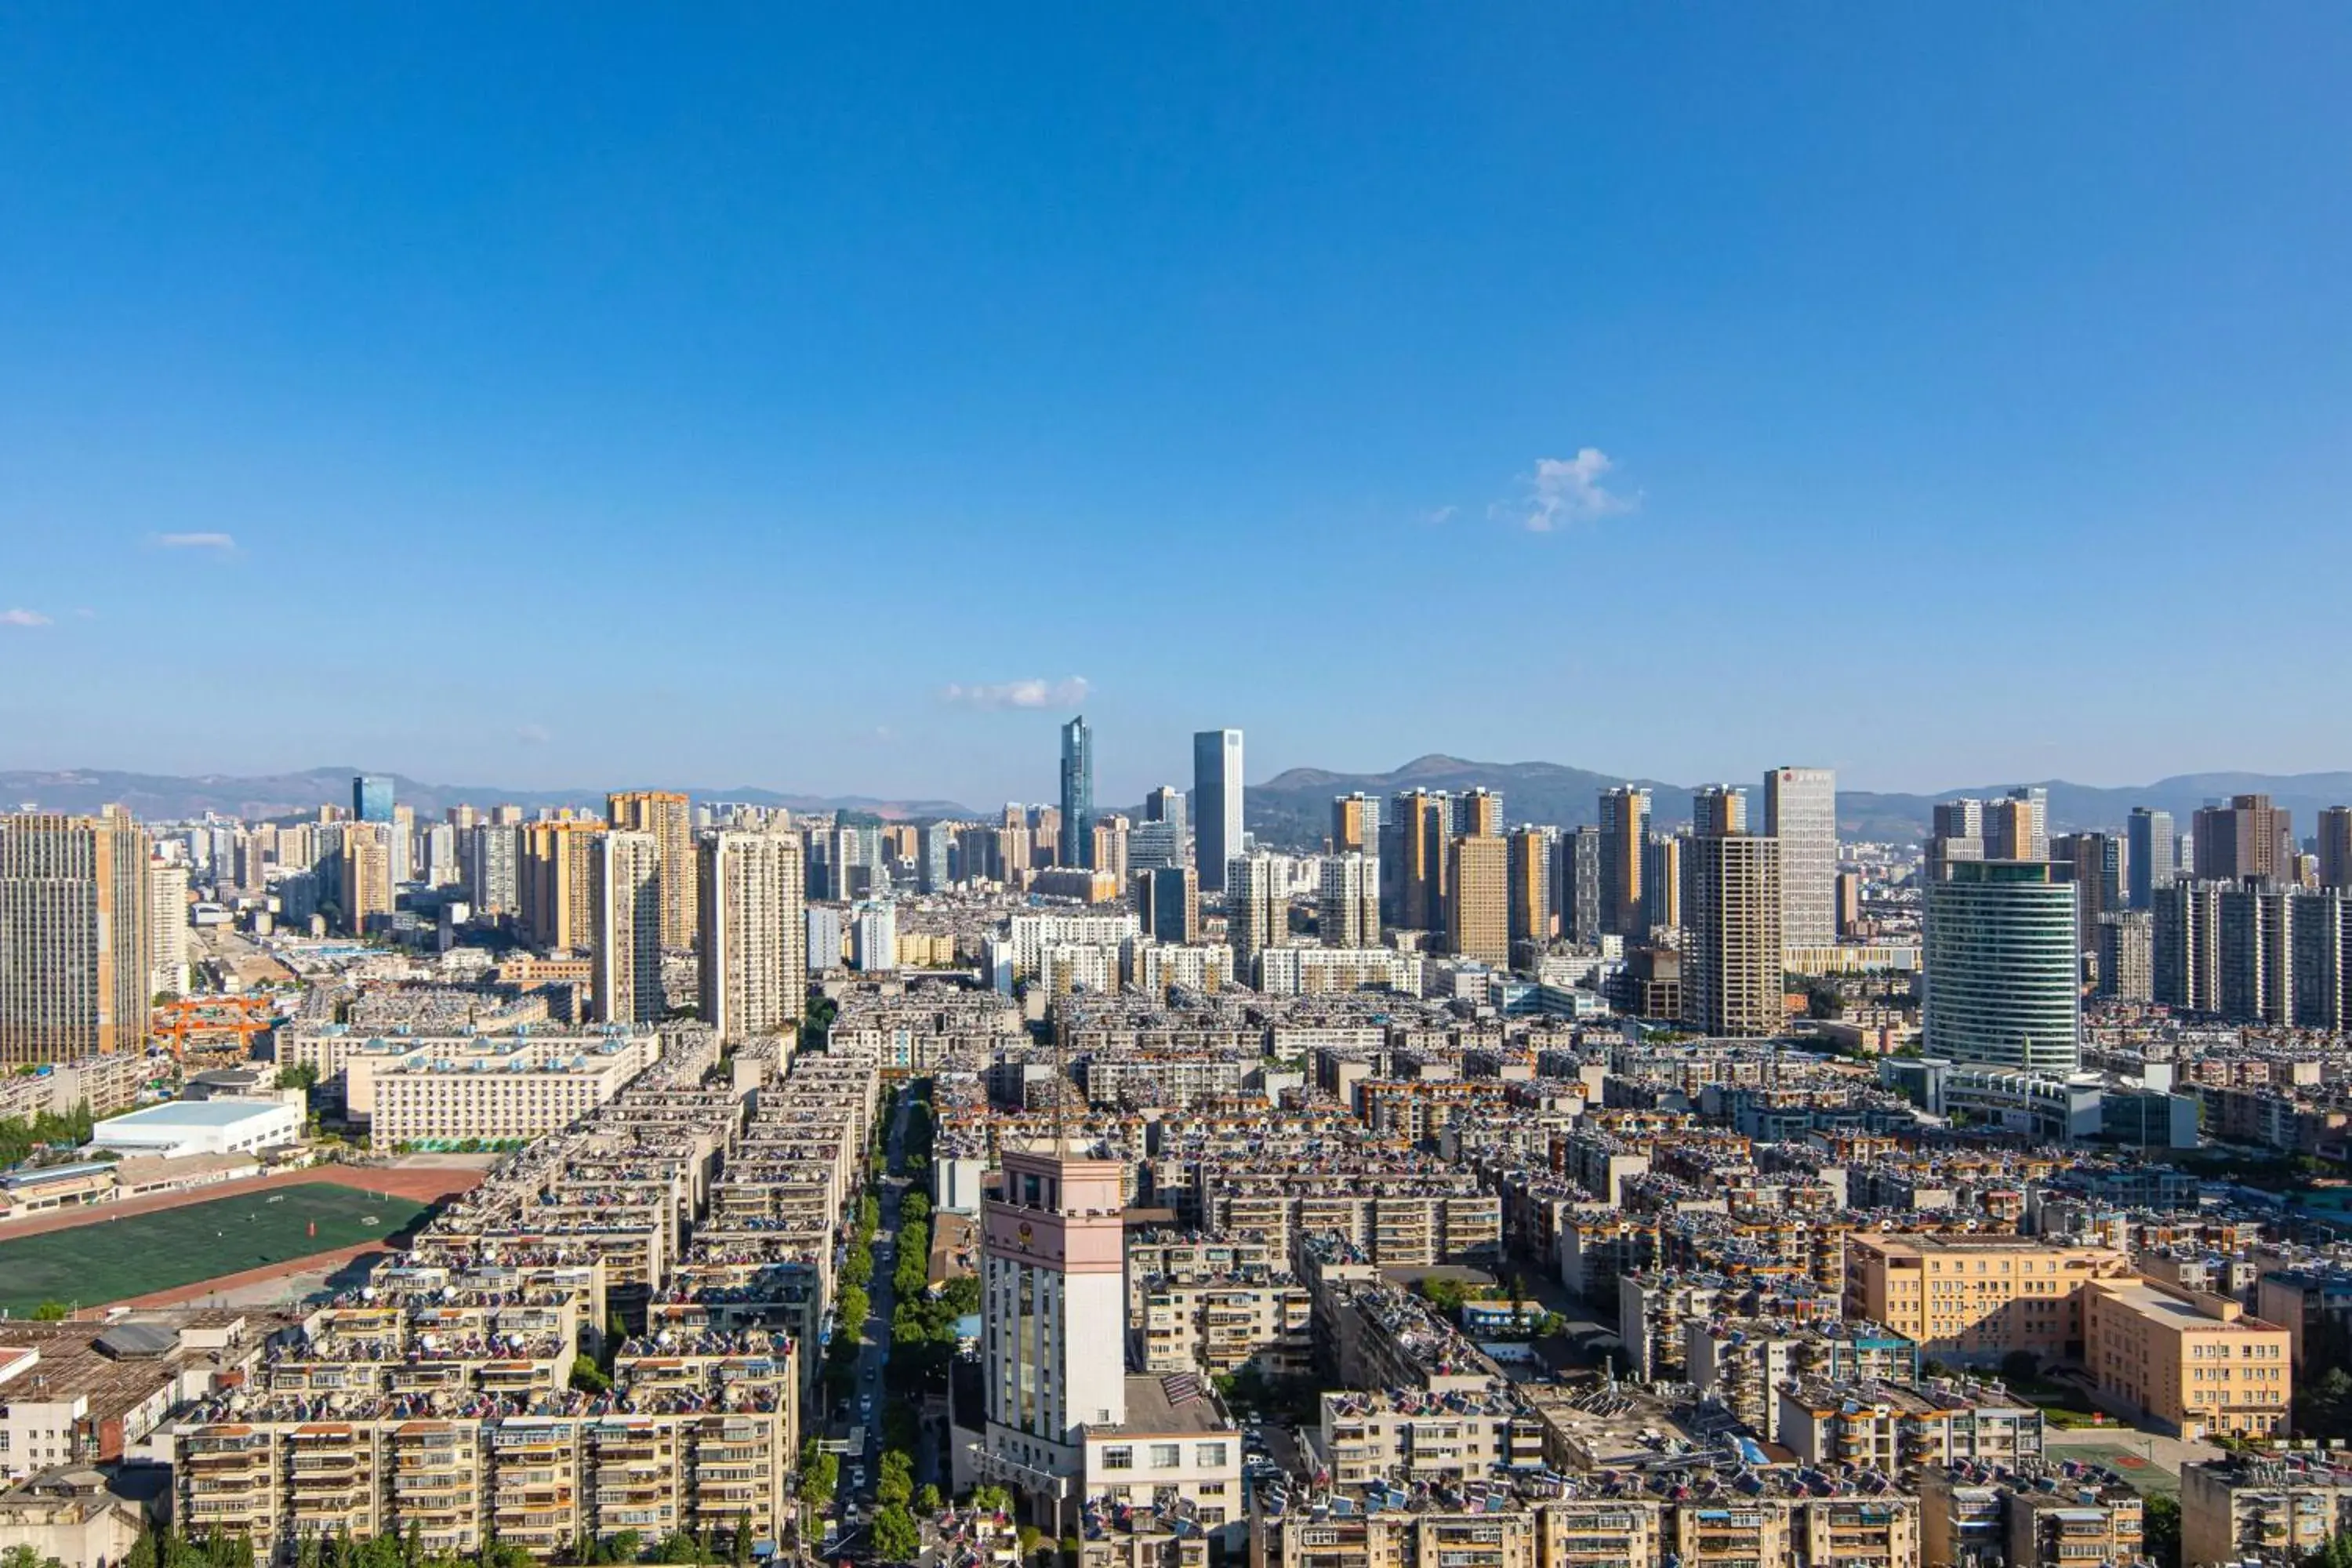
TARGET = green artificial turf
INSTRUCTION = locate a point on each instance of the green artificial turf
(108, 1259)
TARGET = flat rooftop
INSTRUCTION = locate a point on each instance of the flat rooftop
(1151, 1413)
(194, 1113)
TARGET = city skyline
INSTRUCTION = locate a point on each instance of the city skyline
(727, 299)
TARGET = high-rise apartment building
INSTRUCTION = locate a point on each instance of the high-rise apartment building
(365, 879)
(371, 797)
(1479, 898)
(1800, 811)
(1075, 843)
(1053, 1301)
(2001, 967)
(2093, 862)
(2185, 967)
(933, 849)
(1356, 823)
(1731, 937)
(1111, 845)
(1478, 811)
(1531, 902)
(2147, 856)
(754, 933)
(553, 880)
(2248, 840)
(1576, 884)
(168, 923)
(627, 886)
(1662, 881)
(1167, 901)
(1413, 833)
(669, 818)
(1958, 833)
(2127, 955)
(77, 951)
(2335, 848)
(492, 869)
(1624, 834)
(1257, 915)
(1216, 804)
(2014, 830)
(1348, 912)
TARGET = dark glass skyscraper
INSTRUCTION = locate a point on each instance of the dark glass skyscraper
(1216, 804)
(2150, 857)
(371, 797)
(1077, 841)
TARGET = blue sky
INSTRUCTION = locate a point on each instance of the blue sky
(576, 394)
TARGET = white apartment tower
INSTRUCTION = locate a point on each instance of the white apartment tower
(1053, 1302)
(1349, 907)
(626, 920)
(168, 884)
(1800, 811)
(1257, 915)
(754, 933)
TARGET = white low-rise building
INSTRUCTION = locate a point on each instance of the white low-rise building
(187, 1127)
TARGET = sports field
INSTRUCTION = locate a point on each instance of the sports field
(108, 1259)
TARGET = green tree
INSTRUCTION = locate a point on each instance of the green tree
(588, 1378)
(897, 1537)
(2021, 1366)
(51, 1312)
(914, 1209)
(2324, 1404)
(853, 1307)
(895, 1484)
(928, 1500)
(2159, 1523)
(739, 1548)
(996, 1500)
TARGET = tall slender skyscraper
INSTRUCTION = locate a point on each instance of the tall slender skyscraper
(1216, 804)
(1576, 883)
(1624, 834)
(754, 933)
(626, 875)
(669, 818)
(371, 797)
(1800, 811)
(1075, 843)
(1531, 899)
(2149, 837)
(76, 950)
(1731, 937)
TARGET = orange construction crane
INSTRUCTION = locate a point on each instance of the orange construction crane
(212, 1023)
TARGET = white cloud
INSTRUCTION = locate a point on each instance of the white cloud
(1438, 514)
(220, 542)
(534, 735)
(22, 618)
(1564, 491)
(87, 614)
(1036, 692)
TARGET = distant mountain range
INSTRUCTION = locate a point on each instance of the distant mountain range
(1293, 808)
(163, 797)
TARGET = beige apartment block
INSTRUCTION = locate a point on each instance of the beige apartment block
(669, 817)
(76, 936)
(2194, 1363)
(1977, 1298)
